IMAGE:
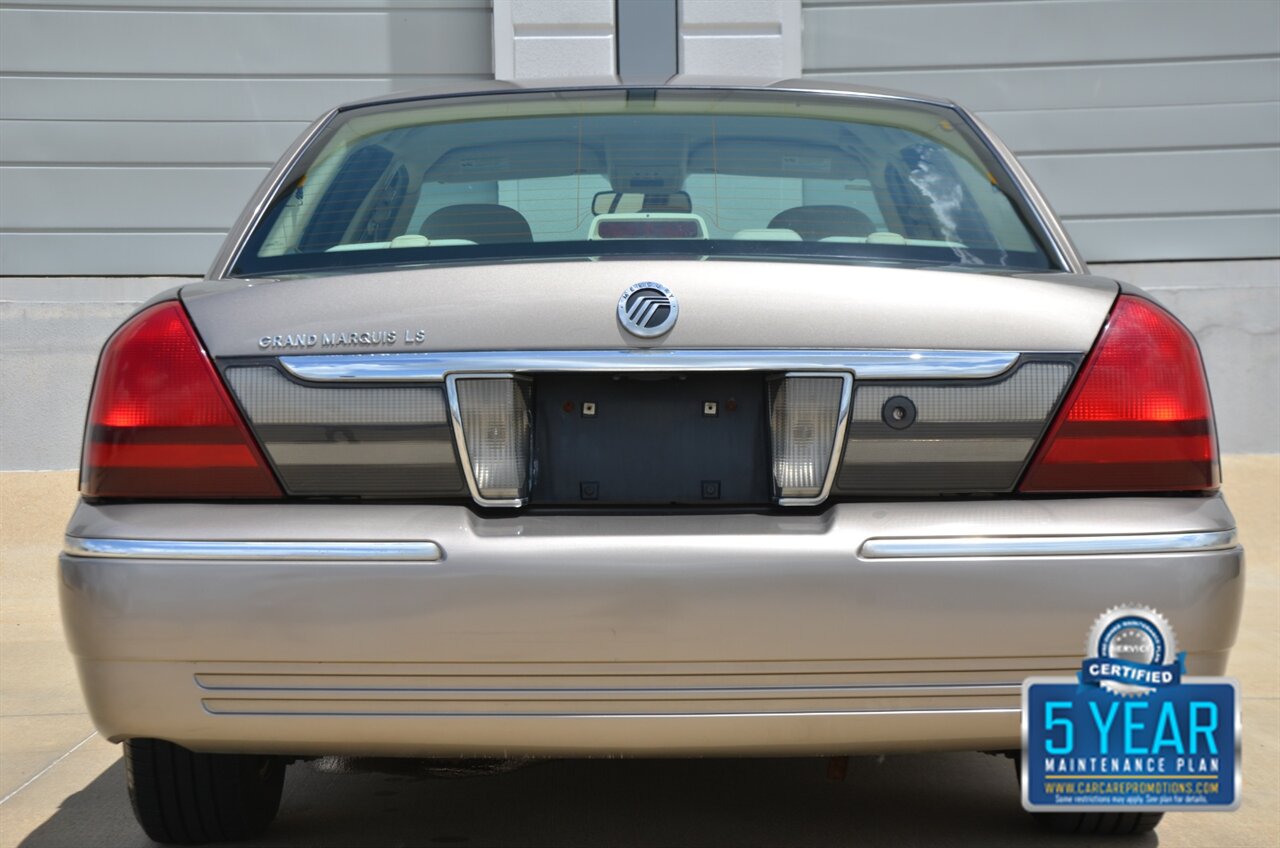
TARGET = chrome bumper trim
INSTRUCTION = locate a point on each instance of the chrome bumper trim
(866, 364)
(215, 707)
(269, 551)
(1010, 546)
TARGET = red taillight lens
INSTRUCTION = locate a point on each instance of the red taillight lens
(1138, 418)
(161, 424)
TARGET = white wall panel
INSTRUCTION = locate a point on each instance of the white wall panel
(1141, 128)
(906, 34)
(1153, 127)
(1183, 182)
(149, 142)
(739, 38)
(1089, 86)
(553, 39)
(1179, 238)
(306, 39)
(147, 254)
(193, 98)
(131, 134)
(125, 198)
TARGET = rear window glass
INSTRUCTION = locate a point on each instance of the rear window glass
(667, 171)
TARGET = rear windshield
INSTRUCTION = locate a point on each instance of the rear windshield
(674, 172)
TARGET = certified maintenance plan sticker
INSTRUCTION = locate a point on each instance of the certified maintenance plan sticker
(1130, 732)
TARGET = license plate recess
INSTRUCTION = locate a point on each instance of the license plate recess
(650, 439)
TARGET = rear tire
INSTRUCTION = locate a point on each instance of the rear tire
(1096, 824)
(1100, 824)
(181, 797)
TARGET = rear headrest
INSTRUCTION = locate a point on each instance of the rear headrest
(482, 223)
(819, 222)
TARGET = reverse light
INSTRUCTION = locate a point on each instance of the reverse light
(807, 414)
(161, 424)
(1138, 418)
(493, 425)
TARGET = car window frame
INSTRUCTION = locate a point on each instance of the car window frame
(1028, 203)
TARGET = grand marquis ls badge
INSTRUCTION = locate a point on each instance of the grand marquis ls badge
(648, 310)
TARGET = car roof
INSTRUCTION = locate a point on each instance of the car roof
(685, 81)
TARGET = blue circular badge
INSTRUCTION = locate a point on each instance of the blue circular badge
(1129, 650)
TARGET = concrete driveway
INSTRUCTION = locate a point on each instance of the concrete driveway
(62, 785)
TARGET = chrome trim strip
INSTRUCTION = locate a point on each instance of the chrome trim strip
(1009, 546)
(680, 82)
(239, 550)
(460, 439)
(836, 459)
(212, 704)
(434, 367)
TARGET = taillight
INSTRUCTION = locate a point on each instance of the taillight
(1138, 418)
(161, 424)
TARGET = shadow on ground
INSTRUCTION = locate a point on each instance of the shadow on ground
(935, 799)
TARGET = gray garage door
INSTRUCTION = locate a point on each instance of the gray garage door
(1153, 127)
(132, 133)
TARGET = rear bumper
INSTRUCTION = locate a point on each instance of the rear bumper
(426, 630)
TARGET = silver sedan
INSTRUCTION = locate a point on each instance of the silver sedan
(677, 421)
